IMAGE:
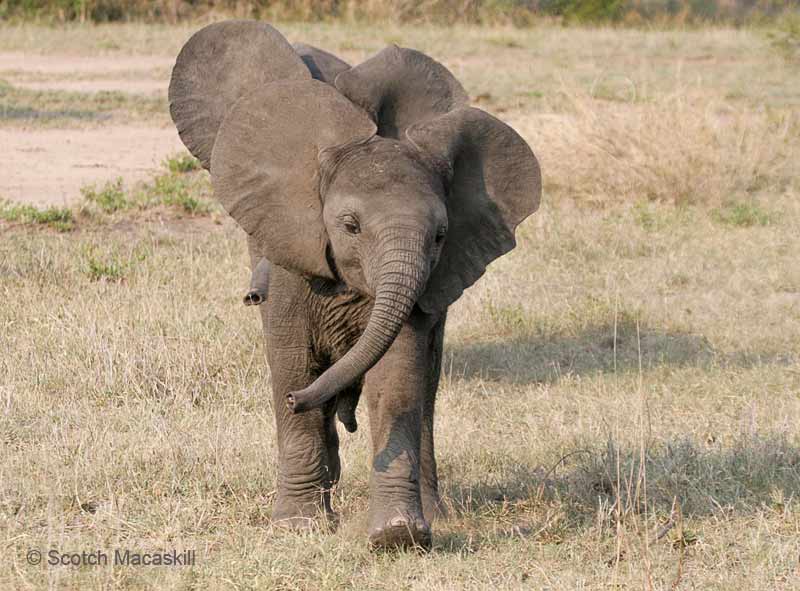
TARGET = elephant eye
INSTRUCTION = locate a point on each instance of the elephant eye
(351, 225)
(440, 234)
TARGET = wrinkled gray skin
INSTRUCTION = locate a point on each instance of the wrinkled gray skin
(372, 197)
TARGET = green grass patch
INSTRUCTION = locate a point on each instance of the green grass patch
(110, 265)
(742, 215)
(110, 198)
(58, 218)
(110, 270)
(169, 189)
(175, 188)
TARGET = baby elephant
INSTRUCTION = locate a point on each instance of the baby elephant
(372, 196)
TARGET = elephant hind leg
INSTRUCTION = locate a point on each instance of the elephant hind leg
(429, 479)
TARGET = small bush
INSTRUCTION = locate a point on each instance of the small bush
(181, 163)
(110, 265)
(110, 198)
(101, 270)
(170, 189)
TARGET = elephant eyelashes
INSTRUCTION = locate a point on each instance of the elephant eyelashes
(351, 225)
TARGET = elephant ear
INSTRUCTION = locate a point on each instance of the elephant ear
(265, 167)
(399, 87)
(495, 184)
(219, 64)
(322, 65)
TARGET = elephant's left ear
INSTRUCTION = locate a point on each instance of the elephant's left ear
(496, 183)
(399, 87)
(218, 65)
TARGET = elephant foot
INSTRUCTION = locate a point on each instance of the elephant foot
(401, 532)
(299, 516)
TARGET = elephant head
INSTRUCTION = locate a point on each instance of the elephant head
(385, 181)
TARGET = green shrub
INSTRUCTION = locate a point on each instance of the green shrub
(171, 189)
(110, 198)
(181, 163)
(111, 270)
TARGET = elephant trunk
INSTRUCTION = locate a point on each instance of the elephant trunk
(401, 276)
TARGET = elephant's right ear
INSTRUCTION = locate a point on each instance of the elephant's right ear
(401, 87)
(265, 167)
(219, 64)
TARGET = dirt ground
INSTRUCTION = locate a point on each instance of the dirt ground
(48, 164)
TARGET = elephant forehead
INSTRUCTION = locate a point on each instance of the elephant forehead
(381, 165)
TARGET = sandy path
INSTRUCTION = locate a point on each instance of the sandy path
(49, 166)
(131, 74)
(144, 86)
(60, 64)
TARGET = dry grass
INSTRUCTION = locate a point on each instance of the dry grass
(679, 148)
(620, 404)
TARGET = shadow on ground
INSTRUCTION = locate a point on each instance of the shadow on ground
(551, 503)
(532, 358)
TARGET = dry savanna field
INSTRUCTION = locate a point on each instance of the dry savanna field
(620, 404)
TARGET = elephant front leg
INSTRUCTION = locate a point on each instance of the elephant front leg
(397, 391)
(308, 444)
(308, 462)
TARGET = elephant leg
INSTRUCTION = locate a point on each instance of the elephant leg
(396, 390)
(429, 484)
(308, 444)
